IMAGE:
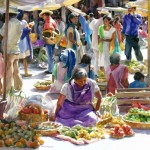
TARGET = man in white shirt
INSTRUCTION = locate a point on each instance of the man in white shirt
(14, 33)
(94, 25)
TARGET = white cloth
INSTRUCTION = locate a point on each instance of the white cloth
(94, 25)
(61, 27)
(67, 92)
(104, 56)
(15, 28)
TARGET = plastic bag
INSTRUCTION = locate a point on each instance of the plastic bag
(15, 102)
(109, 104)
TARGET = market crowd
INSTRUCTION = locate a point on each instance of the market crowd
(74, 52)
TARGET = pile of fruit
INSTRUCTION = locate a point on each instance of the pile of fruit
(138, 115)
(121, 131)
(33, 112)
(43, 85)
(101, 76)
(12, 135)
(135, 66)
(77, 132)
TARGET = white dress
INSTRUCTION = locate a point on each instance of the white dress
(104, 56)
(94, 25)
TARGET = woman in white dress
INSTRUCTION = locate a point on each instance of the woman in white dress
(108, 42)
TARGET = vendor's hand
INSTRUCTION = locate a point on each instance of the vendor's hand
(52, 117)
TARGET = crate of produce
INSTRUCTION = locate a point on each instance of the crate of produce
(131, 95)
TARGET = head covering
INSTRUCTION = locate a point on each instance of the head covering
(130, 5)
(45, 11)
(13, 10)
(20, 15)
(103, 11)
(68, 58)
(72, 15)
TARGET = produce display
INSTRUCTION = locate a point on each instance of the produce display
(138, 118)
(135, 66)
(109, 104)
(43, 85)
(81, 135)
(121, 131)
(18, 136)
(101, 80)
(33, 113)
(46, 128)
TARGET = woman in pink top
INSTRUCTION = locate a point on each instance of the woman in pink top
(117, 74)
(1, 71)
(117, 25)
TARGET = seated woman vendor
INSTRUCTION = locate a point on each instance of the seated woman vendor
(74, 104)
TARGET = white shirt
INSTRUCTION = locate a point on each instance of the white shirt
(14, 33)
(94, 25)
(67, 92)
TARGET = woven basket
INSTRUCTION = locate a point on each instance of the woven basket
(43, 88)
(137, 125)
(33, 117)
(33, 37)
(51, 37)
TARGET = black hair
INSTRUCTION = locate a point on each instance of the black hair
(86, 59)
(77, 74)
(91, 14)
(115, 59)
(138, 76)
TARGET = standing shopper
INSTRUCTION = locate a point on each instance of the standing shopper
(73, 36)
(49, 24)
(94, 25)
(131, 23)
(25, 45)
(14, 33)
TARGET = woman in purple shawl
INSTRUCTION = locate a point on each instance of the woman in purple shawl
(74, 104)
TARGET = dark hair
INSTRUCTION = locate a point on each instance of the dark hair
(58, 17)
(91, 14)
(72, 15)
(20, 15)
(78, 73)
(115, 59)
(47, 14)
(86, 59)
(138, 76)
(107, 17)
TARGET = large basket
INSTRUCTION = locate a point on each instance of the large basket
(33, 37)
(43, 88)
(51, 37)
(137, 125)
(33, 117)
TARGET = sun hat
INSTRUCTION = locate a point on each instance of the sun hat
(45, 11)
(130, 5)
(103, 11)
(13, 10)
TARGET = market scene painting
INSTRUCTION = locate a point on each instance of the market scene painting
(74, 74)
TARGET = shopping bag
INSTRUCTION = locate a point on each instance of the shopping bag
(122, 47)
(15, 102)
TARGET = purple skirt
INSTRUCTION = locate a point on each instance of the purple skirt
(72, 114)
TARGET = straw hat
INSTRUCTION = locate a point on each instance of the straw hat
(103, 11)
(131, 5)
(45, 11)
(13, 10)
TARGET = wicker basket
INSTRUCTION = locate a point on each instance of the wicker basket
(51, 37)
(137, 125)
(43, 88)
(33, 37)
(33, 117)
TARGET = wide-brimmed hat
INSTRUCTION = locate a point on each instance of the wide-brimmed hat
(130, 5)
(45, 11)
(13, 10)
(103, 11)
